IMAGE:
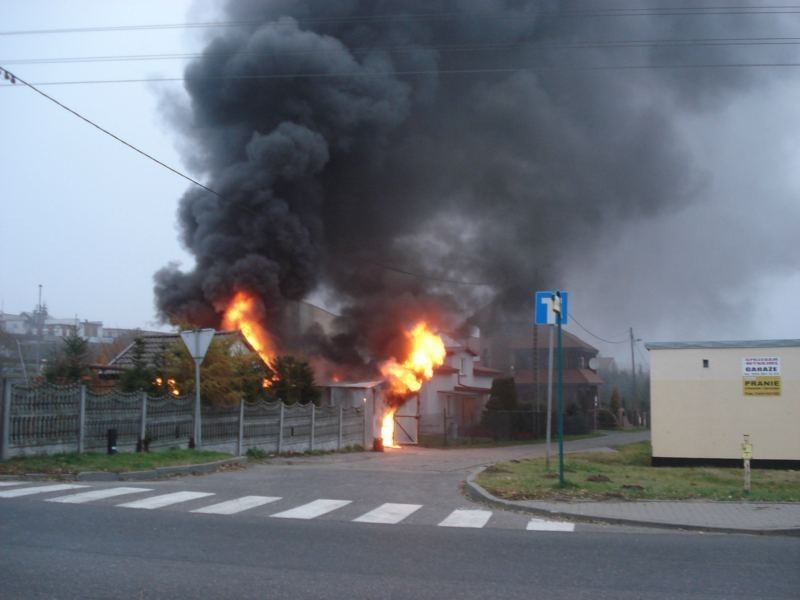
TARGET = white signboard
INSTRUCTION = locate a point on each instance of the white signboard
(761, 376)
(197, 342)
(761, 366)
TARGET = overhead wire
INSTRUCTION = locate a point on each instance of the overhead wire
(587, 44)
(594, 335)
(443, 16)
(13, 77)
(367, 74)
(33, 87)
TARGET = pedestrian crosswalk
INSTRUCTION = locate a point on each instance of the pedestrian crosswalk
(390, 513)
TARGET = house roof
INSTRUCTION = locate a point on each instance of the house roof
(486, 371)
(568, 340)
(156, 344)
(571, 377)
(724, 344)
(445, 370)
(471, 389)
(359, 385)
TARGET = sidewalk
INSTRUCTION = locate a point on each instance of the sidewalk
(779, 518)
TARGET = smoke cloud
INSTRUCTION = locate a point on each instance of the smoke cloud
(379, 151)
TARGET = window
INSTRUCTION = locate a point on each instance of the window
(705, 363)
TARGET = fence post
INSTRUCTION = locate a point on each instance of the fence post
(143, 424)
(82, 420)
(240, 441)
(280, 429)
(313, 422)
(339, 445)
(5, 424)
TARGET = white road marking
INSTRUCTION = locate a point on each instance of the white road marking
(41, 489)
(312, 509)
(388, 513)
(10, 483)
(236, 506)
(543, 525)
(82, 497)
(165, 500)
(467, 518)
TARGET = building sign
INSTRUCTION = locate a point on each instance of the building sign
(761, 376)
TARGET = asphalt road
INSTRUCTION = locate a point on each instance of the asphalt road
(100, 549)
(81, 551)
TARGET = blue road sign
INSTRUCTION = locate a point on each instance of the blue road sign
(544, 313)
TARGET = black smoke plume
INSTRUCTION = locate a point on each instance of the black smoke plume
(380, 151)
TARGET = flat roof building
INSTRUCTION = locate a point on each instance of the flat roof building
(706, 396)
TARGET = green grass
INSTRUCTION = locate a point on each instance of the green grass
(63, 464)
(627, 475)
(437, 441)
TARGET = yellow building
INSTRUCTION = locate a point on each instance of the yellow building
(706, 396)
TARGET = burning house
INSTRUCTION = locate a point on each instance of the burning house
(450, 396)
(356, 158)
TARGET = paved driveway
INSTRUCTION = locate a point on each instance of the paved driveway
(411, 459)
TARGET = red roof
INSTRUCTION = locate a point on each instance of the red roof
(568, 340)
(469, 388)
(485, 371)
(571, 377)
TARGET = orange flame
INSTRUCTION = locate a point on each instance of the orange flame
(387, 429)
(241, 314)
(427, 353)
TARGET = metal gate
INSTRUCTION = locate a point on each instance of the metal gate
(406, 422)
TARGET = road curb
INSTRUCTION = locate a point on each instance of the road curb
(157, 473)
(477, 493)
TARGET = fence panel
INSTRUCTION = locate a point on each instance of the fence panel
(220, 424)
(45, 416)
(170, 421)
(296, 428)
(326, 428)
(353, 427)
(115, 410)
(261, 425)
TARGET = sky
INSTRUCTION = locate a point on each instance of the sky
(92, 221)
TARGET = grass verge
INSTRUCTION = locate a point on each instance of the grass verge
(627, 475)
(62, 464)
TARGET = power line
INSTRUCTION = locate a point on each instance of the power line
(421, 72)
(587, 44)
(427, 277)
(446, 16)
(578, 323)
(14, 78)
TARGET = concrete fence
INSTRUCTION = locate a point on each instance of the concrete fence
(47, 419)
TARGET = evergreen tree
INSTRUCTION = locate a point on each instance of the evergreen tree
(70, 363)
(141, 376)
(503, 395)
(292, 381)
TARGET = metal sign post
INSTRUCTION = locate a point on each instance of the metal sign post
(557, 308)
(197, 342)
(545, 315)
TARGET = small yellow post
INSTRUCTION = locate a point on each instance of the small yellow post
(747, 454)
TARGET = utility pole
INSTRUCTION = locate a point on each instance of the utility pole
(634, 399)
